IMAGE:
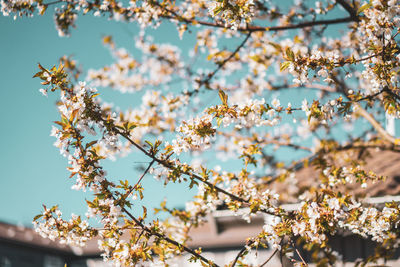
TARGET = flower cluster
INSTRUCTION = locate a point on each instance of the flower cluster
(232, 12)
(75, 232)
(128, 75)
(244, 50)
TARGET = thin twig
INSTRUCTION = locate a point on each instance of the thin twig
(269, 258)
(140, 235)
(317, 86)
(190, 174)
(239, 254)
(220, 65)
(53, 3)
(169, 240)
(274, 141)
(167, 165)
(141, 177)
(140, 224)
(298, 253)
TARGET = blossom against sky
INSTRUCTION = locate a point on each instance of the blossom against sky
(33, 171)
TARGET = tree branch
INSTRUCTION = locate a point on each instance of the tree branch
(220, 65)
(53, 3)
(240, 254)
(169, 240)
(377, 126)
(269, 258)
(348, 8)
(250, 28)
(191, 175)
(141, 177)
(167, 165)
(268, 29)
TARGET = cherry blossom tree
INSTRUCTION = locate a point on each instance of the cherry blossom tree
(227, 99)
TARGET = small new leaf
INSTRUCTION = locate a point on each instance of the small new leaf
(284, 65)
(289, 54)
(363, 8)
(224, 97)
(37, 217)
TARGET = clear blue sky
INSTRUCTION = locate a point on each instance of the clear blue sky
(32, 170)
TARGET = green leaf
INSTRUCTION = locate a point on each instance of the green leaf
(144, 212)
(44, 8)
(290, 54)
(363, 8)
(64, 120)
(132, 125)
(37, 217)
(284, 65)
(219, 120)
(218, 9)
(275, 45)
(224, 97)
(38, 74)
(91, 143)
(41, 67)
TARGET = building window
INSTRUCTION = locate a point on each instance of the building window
(53, 261)
(5, 262)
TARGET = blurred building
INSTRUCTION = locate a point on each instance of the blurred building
(23, 247)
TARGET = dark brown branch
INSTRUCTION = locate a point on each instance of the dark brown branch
(53, 3)
(387, 90)
(266, 29)
(349, 9)
(250, 28)
(140, 224)
(240, 254)
(141, 177)
(269, 258)
(169, 240)
(362, 112)
(191, 175)
(315, 86)
(167, 165)
(280, 143)
(140, 235)
(145, 228)
(274, 141)
(299, 25)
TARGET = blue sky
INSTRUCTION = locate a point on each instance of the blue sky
(32, 170)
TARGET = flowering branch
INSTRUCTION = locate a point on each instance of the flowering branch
(191, 175)
(247, 125)
(169, 240)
